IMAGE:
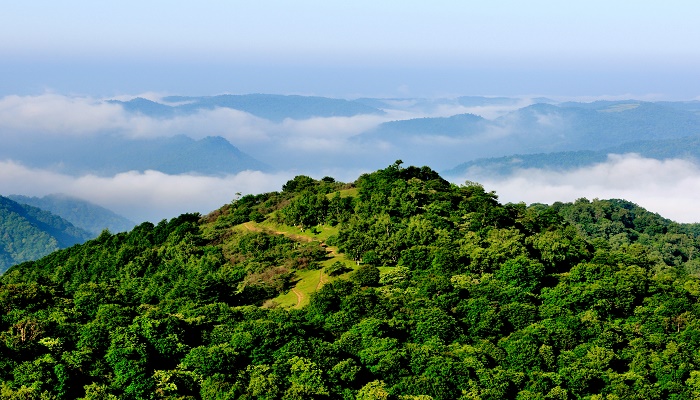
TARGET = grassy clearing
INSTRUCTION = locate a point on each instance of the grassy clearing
(344, 193)
(323, 232)
(308, 281)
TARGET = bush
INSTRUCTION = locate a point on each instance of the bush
(366, 275)
(337, 268)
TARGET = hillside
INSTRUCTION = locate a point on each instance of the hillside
(540, 128)
(111, 154)
(80, 213)
(403, 286)
(28, 233)
(678, 148)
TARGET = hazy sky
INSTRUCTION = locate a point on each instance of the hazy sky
(59, 59)
(347, 49)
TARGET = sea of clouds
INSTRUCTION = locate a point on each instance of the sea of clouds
(317, 147)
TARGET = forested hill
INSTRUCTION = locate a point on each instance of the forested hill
(421, 289)
(80, 213)
(28, 233)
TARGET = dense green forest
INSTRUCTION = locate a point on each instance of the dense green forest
(435, 291)
(81, 213)
(27, 233)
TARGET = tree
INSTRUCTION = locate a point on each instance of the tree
(306, 380)
(366, 275)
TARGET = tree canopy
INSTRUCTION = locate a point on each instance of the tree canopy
(450, 295)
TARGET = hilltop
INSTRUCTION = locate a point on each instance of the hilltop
(399, 285)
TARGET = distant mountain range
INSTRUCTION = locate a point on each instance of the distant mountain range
(111, 154)
(432, 105)
(540, 128)
(80, 213)
(687, 148)
(520, 133)
(269, 106)
(569, 126)
(543, 134)
(27, 233)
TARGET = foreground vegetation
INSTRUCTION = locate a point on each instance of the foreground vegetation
(431, 291)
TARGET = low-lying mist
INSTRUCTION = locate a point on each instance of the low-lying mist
(321, 146)
(669, 188)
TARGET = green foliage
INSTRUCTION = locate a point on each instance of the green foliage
(457, 296)
(366, 275)
(337, 268)
(28, 233)
(82, 214)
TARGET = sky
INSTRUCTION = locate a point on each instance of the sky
(351, 49)
(59, 60)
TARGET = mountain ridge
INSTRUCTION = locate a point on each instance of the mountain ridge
(272, 107)
(111, 154)
(28, 233)
(82, 214)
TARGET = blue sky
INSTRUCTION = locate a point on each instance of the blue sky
(349, 49)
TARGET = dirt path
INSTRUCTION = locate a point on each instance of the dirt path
(330, 253)
(322, 279)
(300, 297)
(253, 228)
(249, 226)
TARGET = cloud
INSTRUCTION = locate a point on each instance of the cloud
(324, 134)
(315, 142)
(150, 195)
(668, 187)
(52, 114)
(237, 126)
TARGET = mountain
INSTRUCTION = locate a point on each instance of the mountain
(28, 233)
(146, 107)
(682, 148)
(269, 106)
(111, 154)
(569, 126)
(437, 105)
(399, 285)
(538, 128)
(461, 125)
(506, 165)
(80, 213)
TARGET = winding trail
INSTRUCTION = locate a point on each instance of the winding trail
(253, 228)
(322, 279)
(331, 253)
(300, 297)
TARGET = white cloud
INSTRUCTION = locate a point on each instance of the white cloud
(55, 114)
(23, 117)
(320, 141)
(150, 195)
(670, 187)
(237, 126)
(327, 134)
